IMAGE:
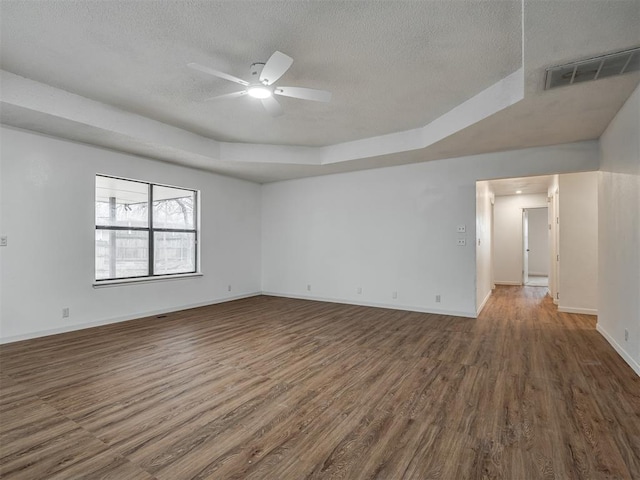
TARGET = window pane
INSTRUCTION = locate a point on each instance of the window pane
(121, 203)
(122, 254)
(173, 208)
(174, 252)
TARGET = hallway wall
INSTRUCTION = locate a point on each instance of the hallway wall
(484, 243)
(619, 233)
(578, 280)
(553, 195)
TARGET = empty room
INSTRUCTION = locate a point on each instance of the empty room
(319, 239)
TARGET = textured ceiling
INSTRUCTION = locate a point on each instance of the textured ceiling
(377, 58)
(392, 66)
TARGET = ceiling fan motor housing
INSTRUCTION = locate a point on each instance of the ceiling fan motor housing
(256, 70)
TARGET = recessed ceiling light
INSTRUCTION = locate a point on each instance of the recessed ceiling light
(518, 191)
(259, 91)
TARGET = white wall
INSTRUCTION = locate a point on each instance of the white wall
(382, 230)
(619, 232)
(47, 212)
(553, 194)
(507, 235)
(2, 249)
(484, 234)
(538, 241)
(391, 229)
(578, 281)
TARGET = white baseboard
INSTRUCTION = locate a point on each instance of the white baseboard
(409, 308)
(621, 351)
(484, 302)
(108, 321)
(582, 311)
(508, 283)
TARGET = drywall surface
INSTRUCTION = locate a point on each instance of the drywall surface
(47, 208)
(553, 194)
(538, 241)
(619, 232)
(578, 280)
(2, 230)
(392, 229)
(484, 232)
(507, 235)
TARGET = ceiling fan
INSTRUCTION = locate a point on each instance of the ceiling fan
(261, 84)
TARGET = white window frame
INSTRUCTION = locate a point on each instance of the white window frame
(150, 229)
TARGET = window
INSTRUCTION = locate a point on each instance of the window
(144, 230)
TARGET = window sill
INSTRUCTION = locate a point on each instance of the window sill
(158, 278)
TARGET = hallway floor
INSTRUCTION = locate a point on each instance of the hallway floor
(537, 281)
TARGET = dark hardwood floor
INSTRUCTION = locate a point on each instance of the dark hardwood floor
(273, 388)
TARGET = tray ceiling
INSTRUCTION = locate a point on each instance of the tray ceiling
(435, 79)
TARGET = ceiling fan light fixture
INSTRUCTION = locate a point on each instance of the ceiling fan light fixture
(259, 91)
(261, 86)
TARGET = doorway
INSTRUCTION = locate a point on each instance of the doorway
(535, 247)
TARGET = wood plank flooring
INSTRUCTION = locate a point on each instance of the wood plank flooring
(273, 388)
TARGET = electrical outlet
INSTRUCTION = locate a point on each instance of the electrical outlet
(3, 241)
(394, 294)
(308, 287)
(438, 298)
(461, 242)
(626, 335)
(461, 228)
(65, 312)
(359, 290)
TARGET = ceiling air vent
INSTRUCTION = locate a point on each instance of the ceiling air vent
(593, 68)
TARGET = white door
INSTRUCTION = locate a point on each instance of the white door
(525, 245)
(557, 239)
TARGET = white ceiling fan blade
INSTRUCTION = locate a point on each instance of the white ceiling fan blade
(275, 67)
(227, 95)
(216, 73)
(272, 106)
(304, 93)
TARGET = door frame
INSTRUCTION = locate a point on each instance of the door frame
(525, 246)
